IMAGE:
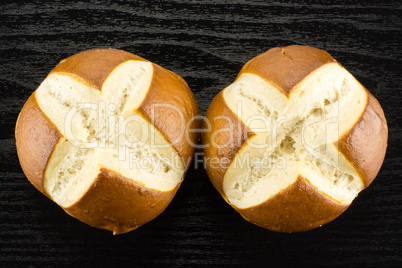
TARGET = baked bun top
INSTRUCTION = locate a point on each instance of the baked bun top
(105, 111)
(298, 118)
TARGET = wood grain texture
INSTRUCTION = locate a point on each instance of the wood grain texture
(207, 43)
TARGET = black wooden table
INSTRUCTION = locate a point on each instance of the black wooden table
(206, 42)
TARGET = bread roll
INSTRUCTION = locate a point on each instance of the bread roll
(293, 140)
(107, 136)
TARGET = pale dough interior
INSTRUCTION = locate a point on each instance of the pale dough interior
(104, 129)
(295, 136)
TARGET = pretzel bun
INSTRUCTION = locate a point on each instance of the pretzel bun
(293, 140)
(107, 136)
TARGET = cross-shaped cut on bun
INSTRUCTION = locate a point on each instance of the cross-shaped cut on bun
(294, 139)
(107, 137)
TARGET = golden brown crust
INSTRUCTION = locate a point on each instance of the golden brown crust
(364, 145)
(136, 204)
(169, 105)
(222, 146)
(93, 66)
(35, 137)
(113, 202)
(284, 67)
(299, 207)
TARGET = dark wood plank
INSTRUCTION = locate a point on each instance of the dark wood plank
(206, 42)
